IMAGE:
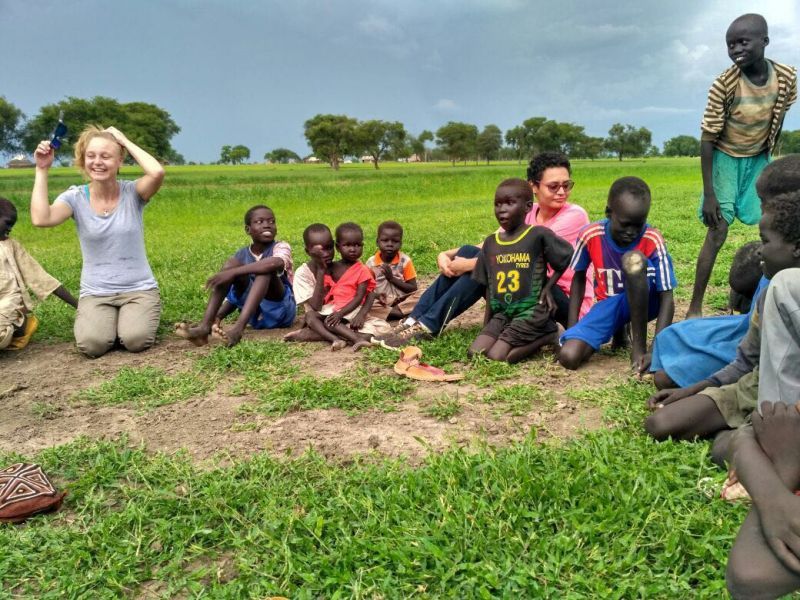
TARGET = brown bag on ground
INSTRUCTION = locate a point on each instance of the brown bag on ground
(26, 491)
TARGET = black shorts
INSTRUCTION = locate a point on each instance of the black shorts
(519, 332)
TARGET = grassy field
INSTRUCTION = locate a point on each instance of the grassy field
(609, 514)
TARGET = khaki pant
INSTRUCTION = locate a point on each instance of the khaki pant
(132, 317)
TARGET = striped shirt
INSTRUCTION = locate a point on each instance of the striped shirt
(745, 120)
(596, 247)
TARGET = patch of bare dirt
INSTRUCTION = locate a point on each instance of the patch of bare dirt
(36, 410)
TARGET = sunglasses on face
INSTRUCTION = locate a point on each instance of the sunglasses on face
(555, 186)
(59, 132)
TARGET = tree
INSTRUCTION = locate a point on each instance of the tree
(225, 155)
(425, 136)
(514, 140)
(331, 137)
(10, 121)
(489, 142)
(789, 142)
(588, 147)
(457, 140)
(281, 155)
(377, 138)
(238, 154)
(147, 125)
(626, 140)
(682, 145)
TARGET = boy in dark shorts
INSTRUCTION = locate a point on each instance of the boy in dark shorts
(726, 400)
(513, 265)
(742, 122)
(257, 281)
(633, 275)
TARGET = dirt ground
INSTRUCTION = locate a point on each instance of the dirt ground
(37, 409)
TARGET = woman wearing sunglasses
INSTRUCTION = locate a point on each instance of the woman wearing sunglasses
(119, 298)
(549, 177)
(454, 291)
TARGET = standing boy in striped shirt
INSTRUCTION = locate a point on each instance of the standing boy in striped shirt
(741, 125)
(633, 276)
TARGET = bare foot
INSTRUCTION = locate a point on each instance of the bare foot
(359, 345)
(338, 345)
(777, 430)
(694, 314)
(197, 335)
(304, 334)
(218, 333)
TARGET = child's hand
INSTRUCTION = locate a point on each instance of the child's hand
(781, 525)
(387, 272)
(642, 365)
(320, 255)
(667, 396)
(358, 322)
(333, 319)
(549, 303)
(222, 278)
(44, 155)
(443, 262)
(712, 215)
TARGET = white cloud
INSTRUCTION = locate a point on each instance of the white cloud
(380, 28)
(447, 105)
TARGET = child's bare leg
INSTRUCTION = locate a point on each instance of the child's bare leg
(262, 286)
(686, 419)
(637, 291)
(574, 353)
(777, 430)
(519, 353)
(198, 334)
(363, 342)
(481, 345)
(722, 448)
(316, 322)
(349, 335)
(715, 237)
(304, 334)
(663, 381)
(499, 351)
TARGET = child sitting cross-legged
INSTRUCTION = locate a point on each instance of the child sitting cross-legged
(18, 272)
(726, 399)
(257, 281)
(346, 286)
(396, 291)
(633, 279)
(513, 266)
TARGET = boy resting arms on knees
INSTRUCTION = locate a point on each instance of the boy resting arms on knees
(348, 285)
(396, 291)
(726, 399)
(513, 266)
(633, 275)
(18, 272)
(765, 558)
(257, 281)
(746, 107)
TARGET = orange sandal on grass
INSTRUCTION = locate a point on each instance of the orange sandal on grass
(31, 325)
(408, 365)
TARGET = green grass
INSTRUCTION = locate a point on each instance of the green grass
(609, 514)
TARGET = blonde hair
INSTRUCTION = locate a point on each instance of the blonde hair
(87, 135)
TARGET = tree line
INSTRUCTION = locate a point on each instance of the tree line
(150, 126)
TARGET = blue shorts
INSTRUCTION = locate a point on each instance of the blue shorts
(270, 313)
(605, 318)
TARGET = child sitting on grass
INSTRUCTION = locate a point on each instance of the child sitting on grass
(338, 304)
(765, 559)
(396, 291)
(725, 400)
(18, 272)
(633, 279)
(513, 266)
(257, 281)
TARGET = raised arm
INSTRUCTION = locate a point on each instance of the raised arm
(149, 183)
(42, 213)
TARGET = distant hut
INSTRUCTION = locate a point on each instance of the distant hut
(20, 161)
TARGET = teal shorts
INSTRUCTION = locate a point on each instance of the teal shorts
(735, 186)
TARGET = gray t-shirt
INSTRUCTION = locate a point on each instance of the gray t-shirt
(114, 259)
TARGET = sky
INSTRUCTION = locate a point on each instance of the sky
(251, 72)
